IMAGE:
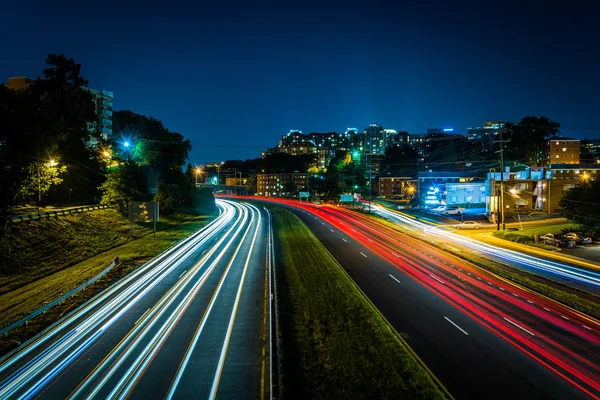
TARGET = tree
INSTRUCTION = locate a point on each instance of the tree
(51, 118)
(526, 138)
(170, 196)
(40, 177)
(151, 143)
(128, 183)
(400, 159)
(581, 205)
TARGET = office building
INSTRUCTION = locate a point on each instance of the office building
(375, 139)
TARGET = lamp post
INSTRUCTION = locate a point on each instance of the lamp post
(51, 163)
(198, 172)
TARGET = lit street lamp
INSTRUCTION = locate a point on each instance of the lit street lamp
(51, 163)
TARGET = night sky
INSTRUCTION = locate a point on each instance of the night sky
(235, 76)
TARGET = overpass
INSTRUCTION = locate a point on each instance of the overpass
(244, 190)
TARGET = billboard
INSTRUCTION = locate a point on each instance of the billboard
(303, 194)
(346, 198)
(143, 211)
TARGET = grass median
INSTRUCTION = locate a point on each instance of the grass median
(334, 342)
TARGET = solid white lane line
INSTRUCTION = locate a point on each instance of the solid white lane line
(344, 240)
(364, 255)
(458, 327)
(519, 326)
(391, 276)
(437, 279)
(182, 274)
(547, 309)
(587, 327)
(141, 316)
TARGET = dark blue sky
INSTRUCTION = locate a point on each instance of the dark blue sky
(235, 76)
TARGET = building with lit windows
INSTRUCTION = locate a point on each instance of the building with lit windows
(403, 187)
(375, 139)
(536, 189)
(432, 185)
(103, 105)
(561, 151)
(282, 184)
(486, 133)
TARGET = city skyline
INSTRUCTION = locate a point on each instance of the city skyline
(320, 68)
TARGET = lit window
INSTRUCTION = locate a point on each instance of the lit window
(557, 156)
(564, 149)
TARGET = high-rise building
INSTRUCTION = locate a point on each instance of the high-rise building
(375, 139)
(104, 110)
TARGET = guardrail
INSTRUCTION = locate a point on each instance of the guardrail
(57, 213)
(4, 331)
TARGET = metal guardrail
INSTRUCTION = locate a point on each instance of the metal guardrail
(43, 309)
(57, 213)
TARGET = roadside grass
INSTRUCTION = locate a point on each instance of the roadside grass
(335, 344)
(29, 297)
(32, 250)
(523, 239)
(523, 278)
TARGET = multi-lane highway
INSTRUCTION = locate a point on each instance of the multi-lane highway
(191, 323)
(483, 336)
(579, 274)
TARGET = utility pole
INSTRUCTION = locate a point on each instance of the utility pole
(500, 214)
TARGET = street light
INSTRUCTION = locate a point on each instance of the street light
(198, 172)
(51, 163)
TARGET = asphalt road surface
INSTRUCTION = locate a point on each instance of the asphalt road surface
(483, 337)
(188, 324)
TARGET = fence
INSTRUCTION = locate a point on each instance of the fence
(57, 213)
(43, 309)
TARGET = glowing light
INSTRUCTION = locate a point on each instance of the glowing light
(52, 163)
(126, 144)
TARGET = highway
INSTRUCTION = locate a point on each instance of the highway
(578, 274)
(481, 335)
(192, 322)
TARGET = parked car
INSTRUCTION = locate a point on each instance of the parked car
(453, 210)
(557, 240)
(468, 225)
(438, 209)
(579, 238)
